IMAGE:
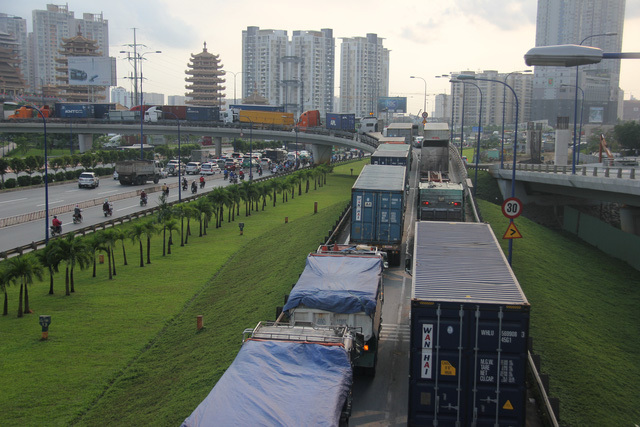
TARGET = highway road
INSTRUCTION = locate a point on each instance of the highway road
(31, 200)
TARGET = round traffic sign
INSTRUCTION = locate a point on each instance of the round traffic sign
(425, 115)
(512, 207)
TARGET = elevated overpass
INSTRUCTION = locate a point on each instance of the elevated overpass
(321, 139)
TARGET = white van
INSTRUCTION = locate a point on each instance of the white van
(192, 168)
(208, 168)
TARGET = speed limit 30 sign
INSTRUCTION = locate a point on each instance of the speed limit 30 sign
(512, 207)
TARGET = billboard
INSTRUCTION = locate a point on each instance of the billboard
(91, 71)
(596, 114)
(396, 104)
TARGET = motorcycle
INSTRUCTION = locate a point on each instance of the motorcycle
(77, 218)
(194, 189)
(201, 184)
(109, 211)
(56, 230)
(143, 201)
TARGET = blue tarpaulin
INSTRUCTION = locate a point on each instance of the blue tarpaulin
(278, 383)
(339, 284)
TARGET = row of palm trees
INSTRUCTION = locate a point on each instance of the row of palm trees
(71, 252)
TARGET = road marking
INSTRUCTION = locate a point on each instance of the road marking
(51, 203)
(107, 192)
(14, 200)
(72, 191)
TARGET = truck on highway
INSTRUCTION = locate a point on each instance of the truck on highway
(138, 172)
(434, 151)
(257, 118)
(283, 375)
(441, 201)
(342, 285)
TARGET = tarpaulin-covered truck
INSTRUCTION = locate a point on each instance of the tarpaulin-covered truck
(342, 287)
(285, 376)
(132, 172)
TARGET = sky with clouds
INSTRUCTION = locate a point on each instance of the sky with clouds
(426, 38)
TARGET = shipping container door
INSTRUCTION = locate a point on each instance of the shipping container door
(389, 221)
(363, 217)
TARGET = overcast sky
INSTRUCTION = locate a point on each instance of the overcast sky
(425, 38)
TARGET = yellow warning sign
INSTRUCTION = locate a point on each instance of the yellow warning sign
(512, 232)
(447, 369)
(508, 405)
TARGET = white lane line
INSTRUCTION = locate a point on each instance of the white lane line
(14, 200)
(51, 203)
(107, 192)
(72, 191)
(127, 208)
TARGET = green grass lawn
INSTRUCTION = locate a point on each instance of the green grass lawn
(584, 322)
(136, 334)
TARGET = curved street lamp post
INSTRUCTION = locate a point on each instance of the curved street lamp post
(504, 107)
(179, 153)
(424, 108)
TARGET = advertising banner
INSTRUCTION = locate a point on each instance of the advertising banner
(393, 104)
(91, 71)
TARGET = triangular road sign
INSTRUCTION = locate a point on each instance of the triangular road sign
(512, 232)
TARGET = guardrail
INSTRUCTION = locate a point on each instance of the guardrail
(628, 172)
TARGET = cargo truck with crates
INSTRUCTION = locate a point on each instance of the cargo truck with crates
(342, 285)
(378, 200)
(138, 172)
(283, 375)
(469, 330)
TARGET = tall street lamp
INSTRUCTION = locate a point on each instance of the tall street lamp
(515, 139)
(451, 131)
(46, 178)
(250, 145)
(581, 111)
(424, 108)
(475, 182)
(235, 101)
(179, 160)
(504, 107)
(140, 58)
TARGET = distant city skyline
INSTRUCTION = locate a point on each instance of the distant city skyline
(423, 39)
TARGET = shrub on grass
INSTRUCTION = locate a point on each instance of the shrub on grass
(59, 176)
(69, 175)
(10, 183)
(36, 180)
(24, 181)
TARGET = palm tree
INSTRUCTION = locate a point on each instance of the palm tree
(149, 230)
(306, 174)
(135, 234)
(263, 190)
(23, 269)
(245, 195)
(74, 252)
(190, 212)
(4, 284)
(234, 199)
(277, 186)
(164, 214)
(171, 225)
(121, 236)
(179, 210)
(218, 197)
(205, 210)
(109, 242)
(50, 258)
(95, 243)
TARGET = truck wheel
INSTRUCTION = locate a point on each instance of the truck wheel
(156, 180)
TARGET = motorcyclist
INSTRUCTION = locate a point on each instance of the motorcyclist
(241, 174)
(226, 174)
(201, 181)
(77, 213)
(106, 206)
(143, 197)
(56, 224)
(184, 183)
(194, 187)
(165, 189)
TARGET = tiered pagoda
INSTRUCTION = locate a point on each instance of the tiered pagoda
(205, 75)
(11, 82)
(77, 46)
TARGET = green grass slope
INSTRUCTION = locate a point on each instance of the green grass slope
(584, 322)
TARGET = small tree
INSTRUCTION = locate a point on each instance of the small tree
(23, 269)
(135, 234)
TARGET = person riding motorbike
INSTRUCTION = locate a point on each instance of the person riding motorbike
(165, 190)
(77, 214)
(194, 187)
(241, 175)
(143, 198)
(184, 184)
(226, 174)
(56, 225)
(201, 181)
(106, 207)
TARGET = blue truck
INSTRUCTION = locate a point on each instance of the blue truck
(340, 121)
(469, 329)
(283, 375)
(378, 200)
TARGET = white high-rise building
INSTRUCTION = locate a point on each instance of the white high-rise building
(50, 26)
(297, 74)
(573, 22)
(176, 100)
(364, 74)
(121, 96)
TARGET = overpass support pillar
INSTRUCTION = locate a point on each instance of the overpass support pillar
(321, 153)
(217, 142)
(563, 136)
(85, 142)
(630, 220)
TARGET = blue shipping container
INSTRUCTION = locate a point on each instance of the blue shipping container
(74, 111)
(378, 201)
(337, 121)
(469, 330)
(388, 157)
(101, 111)
(203, 114)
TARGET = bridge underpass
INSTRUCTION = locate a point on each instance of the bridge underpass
(549, 186)
(321, 140)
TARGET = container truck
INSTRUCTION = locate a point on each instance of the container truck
(309, 119)
(469, 330)
(388, 154)
(441, 201)
(258, 118)
(339, 121)
(138, 172)
(342, 285)
(286, 376)
(377, 209)
(434, 152)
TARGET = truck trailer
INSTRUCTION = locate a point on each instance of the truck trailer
(138, 172)
(434, 151)
(469, 330)
(441, 201)
(286, 376)
(342, 286)
(377, 209)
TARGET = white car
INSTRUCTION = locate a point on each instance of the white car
(88, 179)
(209, 168)
(192, 168)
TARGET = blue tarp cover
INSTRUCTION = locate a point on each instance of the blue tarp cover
(339, 284)
(278, 383)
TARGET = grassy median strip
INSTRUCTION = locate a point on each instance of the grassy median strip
(584, 321)
(101, 334)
